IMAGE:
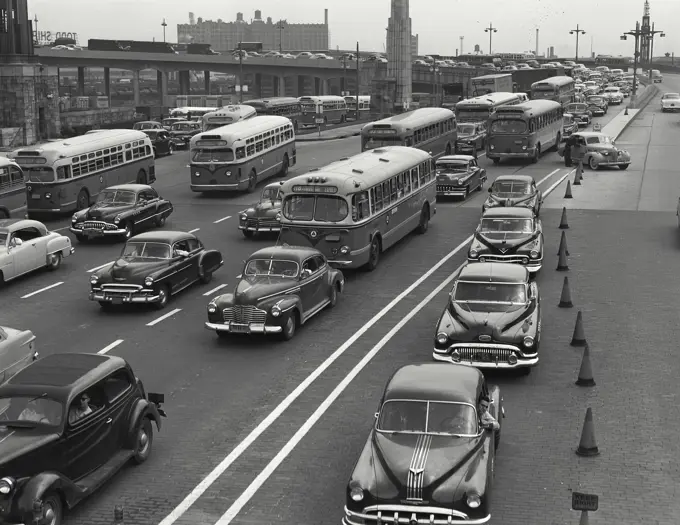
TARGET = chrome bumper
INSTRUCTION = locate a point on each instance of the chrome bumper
(252, 328)
(131, 298)
(522, 155)
(217, 187)
(532, 266)
(521, 363)
(456, 193)
(387, 516)
(97, 233)
(614, 162)
(260, 228)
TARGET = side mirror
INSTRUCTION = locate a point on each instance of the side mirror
(533, 292)
(376, 415)
(16, 242)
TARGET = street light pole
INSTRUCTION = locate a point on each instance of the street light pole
(491, 30)
(35, 19)
(280, 26)
(240, 71)
(651, 35)
(578, 31)
(164, 24)
(635, 33)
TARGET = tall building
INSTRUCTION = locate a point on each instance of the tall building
(645, 40)
(414, 47)
(273, 34)
(399, 52)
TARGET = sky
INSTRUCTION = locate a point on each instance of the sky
(439, 23)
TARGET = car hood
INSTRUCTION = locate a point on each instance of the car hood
(452, 176)
(17, 446)
(505, 241)
(508, 202)
(103, 211)
(267, 208)
(251, 290)
(502, 318)
(124, 271)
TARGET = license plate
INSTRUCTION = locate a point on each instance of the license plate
(117, 300)
(36, 196)
(483, 357)
(239, 328)
(94, 233)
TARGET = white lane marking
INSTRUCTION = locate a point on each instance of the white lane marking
(60, 229)
(222, 219)
(194, 230)
(110, 347)
(560, 181)
(214, 474)
(99, 267)
(546, 177)
(210, 292)
(42, 290)
(262, 477)
(164, 317)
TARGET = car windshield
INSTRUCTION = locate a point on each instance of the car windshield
(671, 95)
(612, 90)
(315, 208)
(466, 130)
(29, 411)
(507, 225)
(146, 250)
(427, 417)
(511, 127)
(458, 166)
(213, 155)
(509, 188)
(577, 108)
(567, 119)
(116, 197)
(272, 267)
(595, 100)
(478, 292)
(271, 194)
(145, 125)
(598, 139)
(183, 126)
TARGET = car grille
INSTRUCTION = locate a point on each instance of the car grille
(503, 258)
(98, 225)
(445, 188)
(263, 223)
(244, 315)
(399, 514)
(484, 353)
(120, 290)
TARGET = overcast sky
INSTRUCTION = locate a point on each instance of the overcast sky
(439, 23)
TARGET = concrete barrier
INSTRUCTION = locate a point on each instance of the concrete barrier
(645, 97)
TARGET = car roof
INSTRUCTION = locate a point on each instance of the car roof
(462, 158)
(494, 273)
(164, 236)
(511, 211)
(131, 187)
(435, 382)
(294, 253)
(519, 178)
(13, 225)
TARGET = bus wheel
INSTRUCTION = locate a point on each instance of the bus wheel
(83, 200)
(284, 166)
(141, 177)
(374, 254)
(424, 223)
(252, 181)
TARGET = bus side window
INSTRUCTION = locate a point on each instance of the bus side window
(386, 193)
(17, 177)
(406, 182)
(408, 142)
(424, 174)
(259, 146)
(378, 197)
(360, 208)
(240, 153)
(267, 143)
(63, 172)
(414, 178)
(128, 155)
(250, 150)
(394, 189)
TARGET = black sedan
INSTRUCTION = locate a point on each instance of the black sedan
(514, 190)
(281, 288)
(430, 455)
(458, 175)
(597, 105)
(161, 142)
(181, 132)
(265, 215)
(153, 267)
(69, 423)
(120, 211)
(580, 112)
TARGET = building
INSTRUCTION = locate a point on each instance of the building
(414, 47)
(274, 35)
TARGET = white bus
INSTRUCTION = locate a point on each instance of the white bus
(12, 189)
(191, 113)
(238, 156)
(364, 106)
(328, 109)
(354, 209)
(227, 115)
(479, 109)
(67, 175)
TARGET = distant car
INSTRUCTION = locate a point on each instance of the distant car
(613, 95)
(597, 105)
(17, 350)
(601, 150)
(27, 245)
(152, 267)
(428, 458)
(471, 137)
(168, 122)
(160, 141)
(68, 423)
(657, 77)
(569, 125)
(458, 175)
(181, 132)
(265, 216)
(509, 235)
(580, 112)
(514, 190)
(670, 102)
(120, 211)
(281, 288)
(147, 125)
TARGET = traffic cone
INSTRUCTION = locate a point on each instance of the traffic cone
(626, 112)
(577, 177)
(579, 337)
(585, 374)
(564, 225)
(565, 298)
(587, 447)
(562, 265)
(563, 244)
(579, 168)
(584, 518)
(567, 194)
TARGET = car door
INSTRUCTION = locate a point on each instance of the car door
(473, 170)
(25, 253)
(120, 395)
(196, 248)
(310, 282)
(146, 209)
(163, 141)
(185, 266)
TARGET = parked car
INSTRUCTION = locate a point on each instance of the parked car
(508, 235)
(458, 175)
(670, 102)
(601, 150)
(471, 137)
(68, 423)
(152, 267)
(168, 122)
(514, 190)
(17, 350)
(280, 289)
(492, 319)
(428, 457)
(181, 132)
(580, 112)
(161, 142)
(120, 211)
(146, 125)
(27, 245)
(265, 216)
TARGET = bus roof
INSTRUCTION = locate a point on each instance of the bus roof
(490, 99)
(493, 76)
(555, 81)
(362, 171)
(530, 107)
(413, 119)
(323, 98)
(273, 101)
(186, 109)
(244, 128)
(85, 143)
(239, 109)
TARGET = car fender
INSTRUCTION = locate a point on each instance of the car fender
(285, 303)
(336, 276)
(143, 409)
(59, 243)
(596, 154)
(210, 261)
(40, 485)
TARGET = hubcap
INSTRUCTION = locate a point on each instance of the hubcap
(143, 442)
(290, 325)
(50, 515)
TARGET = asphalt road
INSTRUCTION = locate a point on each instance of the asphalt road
(218, 392)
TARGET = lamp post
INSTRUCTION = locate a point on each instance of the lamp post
(280, 25)
(435, 74)
(578, 31)
(650, 35)
(164, 24)
(491, 30)
(35, 19)
(636, 33)
(240, 72)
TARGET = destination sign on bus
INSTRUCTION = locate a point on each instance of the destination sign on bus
(212, 143)
(382, 131)
(315, 189)
(507, 116)
(30, 160)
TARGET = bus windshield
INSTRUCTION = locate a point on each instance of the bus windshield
(379, 142)
(321, 208)
(213, 155)
(511, 127)
(473, 114)
(308, 105)
(116, 197)
(211, 126)
(36, 174)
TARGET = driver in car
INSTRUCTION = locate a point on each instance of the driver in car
(486, 419)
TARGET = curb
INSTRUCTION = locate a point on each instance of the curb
(324, 139)
(640, 109)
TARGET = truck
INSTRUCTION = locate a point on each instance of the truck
(200, 49)
(501, 83)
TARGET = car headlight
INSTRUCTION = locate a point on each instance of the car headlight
(524, 148)
(276, 312)
(278, 216)
(458, 182)
(473, 254)
(357, 493)
(228, 173)
(212, 308)
(48, 195)
(474, 501)
(344, 250)
(74, 218)
(533, 254)
(492, 147)
(244, 217)
(528, 341)
(117, 219)
(6, 485)
(148, 281)
(442, 338)
(482, 259)
(94, 279)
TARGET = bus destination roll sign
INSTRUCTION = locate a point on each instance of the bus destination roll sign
(584, 502)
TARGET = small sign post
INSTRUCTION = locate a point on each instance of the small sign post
(597, 126)
(585, 503)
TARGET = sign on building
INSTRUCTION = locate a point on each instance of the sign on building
(48, 37)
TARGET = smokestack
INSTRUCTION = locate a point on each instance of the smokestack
(537, 48)
(192, 19)
(239, 17)
(258, 15)
(325, 17)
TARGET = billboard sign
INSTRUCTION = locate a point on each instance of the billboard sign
(48, 37)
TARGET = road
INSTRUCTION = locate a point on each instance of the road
(217, 393)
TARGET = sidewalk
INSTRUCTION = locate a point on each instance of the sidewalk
(332, 134)
(619, 123)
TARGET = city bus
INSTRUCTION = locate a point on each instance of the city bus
(560, 89)
(356, 208)
(478, 109)
(331, 108)
(191, 113)
(67, 175)
(226, 115)
(524, 131)
(288, 107)
(364, 106)
(12, 189)
(431, 129)
(238, 156)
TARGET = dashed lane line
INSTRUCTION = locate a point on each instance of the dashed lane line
(42, 290)
(194, 230)
(99, 267)
(556, 184)
(110, 347)
(222, 219)
(210, 292)
(164, 317)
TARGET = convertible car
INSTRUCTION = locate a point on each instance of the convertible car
(514, 191)
(580, 112)
(68, 423)
(27, 245)
(281, 288)
(152, 267)
(670, 102)
(508, 235)
(492, 319)
(458, 175)
(17, 350)
(601, 150)
(428, 459)
(265, 216)
(121, 211)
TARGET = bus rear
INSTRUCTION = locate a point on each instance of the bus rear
(509, 135)
(376, 135)
(12, 190)
(227, 115)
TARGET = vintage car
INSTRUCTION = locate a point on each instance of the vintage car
(592, 87)
(181, 132)
(428, 458)
(670, 102)
(168, 122)
(27, 245)
(514, 190)
(120, 211)
(458, 175)
(613, 95)
(600, 151)
(265, 216)
(580, 113)
(146, 125)
(160, 141)
(17, 350)
(492, 319)
(597, 105)
(569, 125)
(471, 137)
(152, 267)
(624, 86)
(281, 288)
(68, 423)
(508, 235)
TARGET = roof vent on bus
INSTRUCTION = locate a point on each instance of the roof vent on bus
(315, 169)
(344, 158)
(383, 160)
(378, 150)
(357, 171)
(28, 153)
(211, 137)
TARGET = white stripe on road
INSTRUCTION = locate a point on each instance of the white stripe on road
(110, 347)
(164, 317)
(546, 177)
(214, 290)
(222, 219)
(99, 267)
(42, 290)
(194, 230)
(60, 229)
(560, 181)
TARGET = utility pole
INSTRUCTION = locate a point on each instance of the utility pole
(491, 30)
(637, 33)
(164, 24)
(35, 19)
(280, 25)
(357, 58)
(240, 71)
(461, 44)
(650, 35)
(578, 31)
